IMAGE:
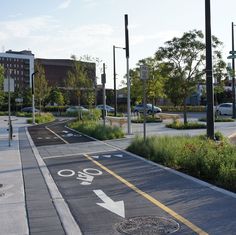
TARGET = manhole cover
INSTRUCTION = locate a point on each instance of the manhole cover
(147, 225)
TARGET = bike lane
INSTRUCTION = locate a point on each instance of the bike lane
(115, 192)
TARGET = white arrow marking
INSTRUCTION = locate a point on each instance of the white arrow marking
(115, 207)
(107, 156)
(96, 157)
(118, 155)
(69, 135)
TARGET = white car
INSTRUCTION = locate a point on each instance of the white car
(224, 109)
(74, 109)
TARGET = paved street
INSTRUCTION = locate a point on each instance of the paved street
(76, 185)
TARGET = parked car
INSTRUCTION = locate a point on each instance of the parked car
(74, 109)
(224, 109)
(140, 109)
(29, 110)
(108, 108)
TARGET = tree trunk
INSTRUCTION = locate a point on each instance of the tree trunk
(185, 112)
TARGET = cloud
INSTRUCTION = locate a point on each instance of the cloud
(160, 37)
(90, 3)
(64, 4)
(14, 29)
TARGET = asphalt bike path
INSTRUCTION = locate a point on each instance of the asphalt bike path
(110, 191)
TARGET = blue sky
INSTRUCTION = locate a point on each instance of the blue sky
(60, 28)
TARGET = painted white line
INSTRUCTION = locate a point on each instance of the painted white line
(115, 207)
(75, 154)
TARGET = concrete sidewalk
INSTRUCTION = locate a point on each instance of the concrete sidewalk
(12, 197)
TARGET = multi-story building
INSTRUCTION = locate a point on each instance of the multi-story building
(20, 65)
(56, 70)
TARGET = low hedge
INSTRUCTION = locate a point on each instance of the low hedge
(185, 126)
(97, 131)
(181, 108)
(42, 118)
(218, 119)
(200, 157)
(149, 119)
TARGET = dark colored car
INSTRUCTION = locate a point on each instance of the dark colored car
(29, 110)
(140, 109)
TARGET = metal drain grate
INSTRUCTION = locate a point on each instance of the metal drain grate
(147, 225)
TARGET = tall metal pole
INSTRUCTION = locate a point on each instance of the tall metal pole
(114, 70)
(33, 99)
(209, 83)
(128, 78)
(233, 75)
(104, 95)
(9, 108)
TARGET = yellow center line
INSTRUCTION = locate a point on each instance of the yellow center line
(150, 198)
(56, 135)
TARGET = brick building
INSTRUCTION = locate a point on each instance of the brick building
(20, 64)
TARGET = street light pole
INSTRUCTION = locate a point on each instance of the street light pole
(33, 100)
(233, 75)
(114, 71)
(209, 83)
(128, 78)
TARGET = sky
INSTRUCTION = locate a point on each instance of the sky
(57, 29)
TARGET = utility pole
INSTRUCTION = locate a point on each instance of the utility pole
(128, 78)
(103, 76)
(33, 99)
(233, 75)
(209, 83)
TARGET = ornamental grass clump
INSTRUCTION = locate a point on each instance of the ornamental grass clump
(212, 161)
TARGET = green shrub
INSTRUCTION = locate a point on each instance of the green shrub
(97, 131)
(198, 156)
(148, 119)
(182, 126)
(181, 108)
(92, 115)
(42, 118)
(2, 113)
(218, 119)
(23, 114)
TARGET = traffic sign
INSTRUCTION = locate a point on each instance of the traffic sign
(232, 52)
(9, 85)
(233, 56)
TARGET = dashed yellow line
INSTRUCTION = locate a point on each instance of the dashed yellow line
(150, 198)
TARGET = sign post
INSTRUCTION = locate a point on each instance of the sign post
(103, 76)
(233, 56)
(9, 87)
(144, 77)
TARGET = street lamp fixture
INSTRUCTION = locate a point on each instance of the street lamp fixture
(114, 69)
(33, 100)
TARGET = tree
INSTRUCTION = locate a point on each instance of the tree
(42, 88)
(78, 79)
(155, 82)
(57, 97)
(185, 57)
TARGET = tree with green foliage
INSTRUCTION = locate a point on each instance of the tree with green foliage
(57, 97)
(155, 82)
(42, 89)
(78, 79)
(185, 56)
